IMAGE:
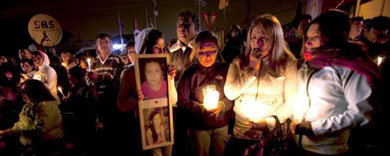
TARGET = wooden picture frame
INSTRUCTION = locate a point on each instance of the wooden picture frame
(155, 111)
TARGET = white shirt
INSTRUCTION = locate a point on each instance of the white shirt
(338, 102)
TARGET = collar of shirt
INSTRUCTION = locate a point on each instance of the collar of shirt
(103, 61)
(179, 45)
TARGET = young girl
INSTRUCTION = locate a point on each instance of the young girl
(155, 86)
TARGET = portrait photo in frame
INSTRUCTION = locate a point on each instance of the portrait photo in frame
(155, 110)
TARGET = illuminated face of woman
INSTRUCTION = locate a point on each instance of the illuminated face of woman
(260, 40)
(64, 57)
(313, 37)
(158, 48)
(38, 61)
(26, 67)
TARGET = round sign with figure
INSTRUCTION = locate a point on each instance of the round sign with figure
(45, 30)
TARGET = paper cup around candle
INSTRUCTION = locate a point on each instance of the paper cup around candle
(210, 97)
(211, 100)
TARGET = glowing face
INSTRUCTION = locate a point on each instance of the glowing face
(313, 37)
(356, 27)
(153, 74)
(157, 120)
(260, 40)
(185, 29)
(26, 67)
(131, 54)
(26, 54)
(38, 61)
(207, 54)
(65, 57)
(158, 48)
(104, 46)
(378, 36)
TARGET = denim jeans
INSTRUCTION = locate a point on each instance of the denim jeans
(215, 138)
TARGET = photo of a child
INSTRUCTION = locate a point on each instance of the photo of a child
(156, 96)
(154, 84)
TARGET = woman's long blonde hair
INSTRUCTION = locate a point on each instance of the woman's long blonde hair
(279, 52)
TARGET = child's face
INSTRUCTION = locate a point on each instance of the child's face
(153, 73)
(207, 54)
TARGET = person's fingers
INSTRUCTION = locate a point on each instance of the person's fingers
(140, 95)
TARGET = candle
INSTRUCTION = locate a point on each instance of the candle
(379, 60)
(36, 77)
(254, 111)
(60, 90)
(89, 63)
(211, 97)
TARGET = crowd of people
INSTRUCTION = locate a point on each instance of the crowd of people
(319, 86)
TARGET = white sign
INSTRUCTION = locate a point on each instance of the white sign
(45, 30)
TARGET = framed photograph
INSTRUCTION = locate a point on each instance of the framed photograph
(155, 110)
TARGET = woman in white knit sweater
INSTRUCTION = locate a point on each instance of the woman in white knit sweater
(262, 83)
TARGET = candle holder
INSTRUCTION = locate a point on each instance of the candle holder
(210, 97)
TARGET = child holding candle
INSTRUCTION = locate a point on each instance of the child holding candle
(199, 81)
(262, 83)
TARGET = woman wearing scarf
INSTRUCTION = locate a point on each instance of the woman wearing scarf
(335, 84)
(45, 73)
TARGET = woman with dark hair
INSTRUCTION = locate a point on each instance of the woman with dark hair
(335, 85)
(28, 69)
(233, 45)
(40, 121)
(156, 131)
(148, 41)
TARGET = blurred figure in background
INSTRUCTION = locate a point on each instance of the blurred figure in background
(233, 45)
(356, 29)
(66, 60)
(40, 121)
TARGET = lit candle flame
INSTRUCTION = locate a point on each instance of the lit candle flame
(36, 77)
(211, 97)
(89, 63)
(379, 60)
(60, 90)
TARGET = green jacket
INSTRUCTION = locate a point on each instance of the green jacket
(39, 122)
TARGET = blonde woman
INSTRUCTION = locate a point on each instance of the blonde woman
(262, 82)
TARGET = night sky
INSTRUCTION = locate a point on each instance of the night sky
(84, 19)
